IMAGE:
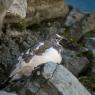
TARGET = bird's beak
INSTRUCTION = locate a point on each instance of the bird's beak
(58, 37)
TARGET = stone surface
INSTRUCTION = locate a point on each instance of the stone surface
(66, 83)
(89, 41)
(74, 63)
(63, 81)
(88, 24)
(6, 93)
(52, 79)
(15, 40)
(18, 8)
(88, 82)
(4, 5)
(39, 10)
(35, 11)
(74, 23)
(73, 18)
(17, 12)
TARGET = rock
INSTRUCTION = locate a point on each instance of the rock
(18, 10)
(93, 93)
(4, 5)
(93, 65)
(73, 18)
(88, 82)
(8, 56)
(79, 23)
(74, 63)
(88, 24)
(74, 23)
(35, 11)
(56, 79)
(6, 93)
(90, 44)
(50, 79)
(41, 10)
(66, 83)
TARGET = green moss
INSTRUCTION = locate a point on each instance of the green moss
(71, 38)
(21, 25)
(89, 34)
(88, 54)
(88, 82)
(18, 25)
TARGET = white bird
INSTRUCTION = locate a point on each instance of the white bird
(47, 51)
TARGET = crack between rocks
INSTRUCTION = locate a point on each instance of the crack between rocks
(46, 80)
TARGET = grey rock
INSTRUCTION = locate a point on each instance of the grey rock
(49, 70)
(4, 5)
(74, 17)
(6, 93)
(93, 93)
(40, 10)
(62, 82)
(93, 64)
(89, 41)
(74, 63)
(8, 56)
(88, 24)
(18, 8)
(66, 83)
(53, 79)
(74, 22)
(88, 82)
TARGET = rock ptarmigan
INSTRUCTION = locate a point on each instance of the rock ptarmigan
(43, 52)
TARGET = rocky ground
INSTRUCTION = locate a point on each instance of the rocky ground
(35, 21)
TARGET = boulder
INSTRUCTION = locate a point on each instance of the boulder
(89, 41)
(4, 5)
(89, 83)
(73, 62)
(17, 10)
(6, 93)
(39, 10)
(73, 18)
(48, 79)
(55, 79)
(88, 24)
(74, 22)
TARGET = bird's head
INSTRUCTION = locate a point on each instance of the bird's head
(58, 38)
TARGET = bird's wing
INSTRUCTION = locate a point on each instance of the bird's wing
(26, 57)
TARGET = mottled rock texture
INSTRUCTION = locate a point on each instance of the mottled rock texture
(6, 93)
(50, 79)
(4, 5)
(18, 8)
(74, 63)
(23, 28)
(39, 10)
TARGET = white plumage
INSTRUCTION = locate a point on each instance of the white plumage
(50, 54)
